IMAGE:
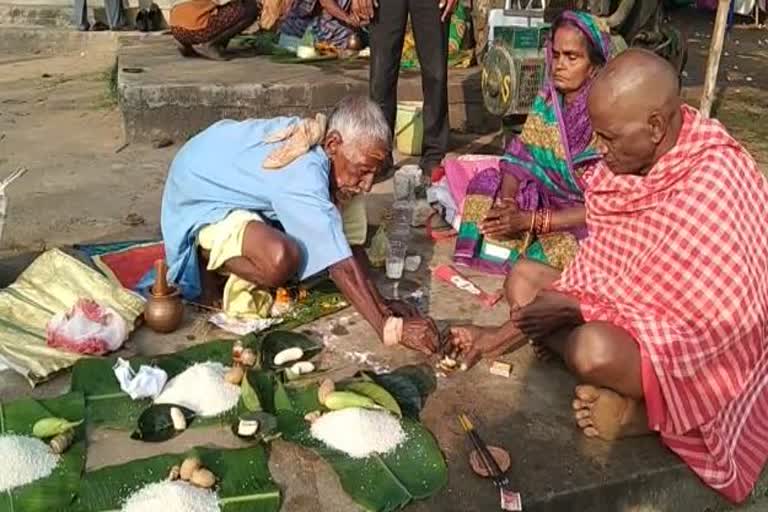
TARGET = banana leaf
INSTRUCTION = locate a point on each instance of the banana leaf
(56, 491)
(414, 470)
(275, 342)
(323, 300)
(409, 385)
(155, 424)
(108, 406)
(244, 482)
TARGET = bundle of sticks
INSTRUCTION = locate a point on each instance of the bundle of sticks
(510, 500)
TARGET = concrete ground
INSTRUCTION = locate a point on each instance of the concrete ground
(58, 119)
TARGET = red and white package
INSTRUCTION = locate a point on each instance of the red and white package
(452, 276)
(87, 328)
(511, 501)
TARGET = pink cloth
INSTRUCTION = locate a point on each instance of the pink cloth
(458, 172)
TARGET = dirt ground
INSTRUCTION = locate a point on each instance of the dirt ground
(58, 119)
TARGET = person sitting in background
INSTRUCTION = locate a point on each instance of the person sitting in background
(329, 21)
(540, 184)
(663, 314)
(265, 213)
(203, 28)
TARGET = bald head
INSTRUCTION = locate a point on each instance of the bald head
(637, 78)
(634, 105)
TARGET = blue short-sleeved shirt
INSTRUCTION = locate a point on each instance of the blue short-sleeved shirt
(220, 170)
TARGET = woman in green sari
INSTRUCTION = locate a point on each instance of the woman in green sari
(534, 204)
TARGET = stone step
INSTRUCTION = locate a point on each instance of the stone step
(28, 39)
(15, 14)
(59, 14)
(176, 97)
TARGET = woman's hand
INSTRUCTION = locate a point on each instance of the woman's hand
(353, 20)
(446, 9)
(505, 220)
(363, 10)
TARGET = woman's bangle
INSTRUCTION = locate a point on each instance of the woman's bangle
(547, 221)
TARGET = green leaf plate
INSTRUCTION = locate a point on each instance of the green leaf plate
(414, 470)
(56, 491)
(244, 482)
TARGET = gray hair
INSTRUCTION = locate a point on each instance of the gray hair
(358, 118)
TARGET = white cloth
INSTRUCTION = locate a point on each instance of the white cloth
(744, 7)
(241, 327)
(147, 383)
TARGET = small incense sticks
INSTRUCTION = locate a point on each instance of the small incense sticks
(509, 499)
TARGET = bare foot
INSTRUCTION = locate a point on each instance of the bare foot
(212, 289)
(186, 50)
(210, 51)
(603, 413)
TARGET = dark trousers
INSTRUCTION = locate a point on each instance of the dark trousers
(113, 8)
(387, 34)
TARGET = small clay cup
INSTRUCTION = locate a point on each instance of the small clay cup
(499, 454)
(164, 313)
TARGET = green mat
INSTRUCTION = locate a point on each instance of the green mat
(245, 484)
(55, 492)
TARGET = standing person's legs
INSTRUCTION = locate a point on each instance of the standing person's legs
(431, 37)
(387, 33)
(115, 15)
(80, 14)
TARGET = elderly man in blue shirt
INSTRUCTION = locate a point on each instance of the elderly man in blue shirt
(264, 224)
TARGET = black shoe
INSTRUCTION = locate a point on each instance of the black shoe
(155, 18)
(142, 21)
(84, 27)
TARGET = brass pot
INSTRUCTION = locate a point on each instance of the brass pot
(355, 43)
(164, 313)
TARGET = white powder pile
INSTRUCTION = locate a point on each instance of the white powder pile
(359, 432)
(24, 460)
(201, 388)
(172, 497)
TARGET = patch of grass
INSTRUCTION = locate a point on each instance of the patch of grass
(742, 112)
(109, 77)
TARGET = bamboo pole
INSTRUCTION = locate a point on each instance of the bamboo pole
(715, 52)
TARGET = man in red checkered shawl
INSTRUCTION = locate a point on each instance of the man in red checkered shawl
(663, 315)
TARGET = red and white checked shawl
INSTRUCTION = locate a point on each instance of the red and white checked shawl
(679, 258)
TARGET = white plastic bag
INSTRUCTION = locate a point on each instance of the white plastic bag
(147, 383)
(88, 328)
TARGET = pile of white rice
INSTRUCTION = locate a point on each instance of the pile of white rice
(201, 388)
(24, 460)
(359, 432)
(177, 496)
